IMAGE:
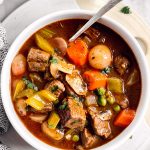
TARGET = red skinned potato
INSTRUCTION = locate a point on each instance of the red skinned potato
(100, 57)
(19, 65)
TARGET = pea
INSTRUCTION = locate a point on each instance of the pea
(111, 100)
(116, 108)
(102, 101)
(101, 91)
(75, 138)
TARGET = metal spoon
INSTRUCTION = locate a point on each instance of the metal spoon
(99, 14)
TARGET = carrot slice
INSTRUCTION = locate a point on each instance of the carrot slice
(77, 52)
(95, 79)
(124, 118)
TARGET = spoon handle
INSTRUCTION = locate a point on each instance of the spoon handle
(100, 13)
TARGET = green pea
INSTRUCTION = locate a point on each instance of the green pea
(111, 100)
(116, 108)
(101, 91)
(75, 138)
(102, 101)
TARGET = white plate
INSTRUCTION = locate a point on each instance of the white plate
(14, 24)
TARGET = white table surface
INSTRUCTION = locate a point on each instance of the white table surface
(142, 7)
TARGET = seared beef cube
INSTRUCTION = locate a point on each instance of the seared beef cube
(74, 115)
(37, 55)
(69, 90)
(121, 64)
(37, 60)
(122, 100)
(37, 66)
(56, 87)
(88, 140)
(100, 120)
(91, 100)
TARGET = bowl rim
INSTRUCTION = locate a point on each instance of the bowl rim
(32, 28)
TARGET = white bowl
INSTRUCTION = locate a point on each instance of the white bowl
(6, 71)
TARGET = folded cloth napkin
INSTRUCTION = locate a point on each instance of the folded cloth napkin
(4, 123)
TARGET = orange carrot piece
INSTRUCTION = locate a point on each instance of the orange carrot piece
(95, 79)
(77, 52)
(124, 118)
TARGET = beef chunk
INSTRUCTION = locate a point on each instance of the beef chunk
(74, 116)
(37, 60)
(37, 66)
(38, 56)
(100, 120)
(88, 140)
(91, 100)
(56, 87)
(121, 64)
(122, 100)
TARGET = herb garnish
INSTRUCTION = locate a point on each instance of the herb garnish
(53, 60)
(54, 88)
(63, 106)
(126, 10)
(106, 70)
(29, 84)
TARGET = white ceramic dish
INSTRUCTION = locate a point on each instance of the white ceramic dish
(5, 76)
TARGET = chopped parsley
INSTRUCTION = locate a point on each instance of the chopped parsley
(54, 88)
(53, 60)
(63, 106)
(126, 10)
(29, 84)
(106, 70)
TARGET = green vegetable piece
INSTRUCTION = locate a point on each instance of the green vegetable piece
(115, 85)
(46, 33)
(29, 84)
(111, 100)
(43, 44)
(54, 60)
(106, 70)
(26, 93)
(63, 106)
(54, 88)
(36, 102)
(102, 101)
(126, 10)
(75, 138)
(19, 88)
(101, 91)
(53, 120)
(116, 108)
